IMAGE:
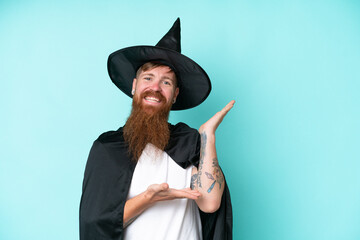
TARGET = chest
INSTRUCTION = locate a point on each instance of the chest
(155, 167)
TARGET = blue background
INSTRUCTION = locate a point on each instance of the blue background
(289, 147)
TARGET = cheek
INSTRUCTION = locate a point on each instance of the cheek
(169, 95)
(140, 89)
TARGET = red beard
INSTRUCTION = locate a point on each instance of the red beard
(147, 124)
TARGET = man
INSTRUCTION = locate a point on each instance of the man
(137, 179)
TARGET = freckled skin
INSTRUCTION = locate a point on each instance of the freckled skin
(159, 79)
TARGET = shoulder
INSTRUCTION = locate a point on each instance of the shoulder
(111, 136)
(183, 133)
(184, 144)
(182, 128)
(110, 147)
(107, 140)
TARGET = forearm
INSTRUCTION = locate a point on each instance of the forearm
(134, 207)
(208, 179)
(154, 193)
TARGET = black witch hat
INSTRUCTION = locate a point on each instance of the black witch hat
(193, 81)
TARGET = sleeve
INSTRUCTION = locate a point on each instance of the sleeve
(103, 197)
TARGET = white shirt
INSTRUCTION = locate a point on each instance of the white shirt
(167, 220)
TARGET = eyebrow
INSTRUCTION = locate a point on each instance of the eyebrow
(148, 74)
(164, 77)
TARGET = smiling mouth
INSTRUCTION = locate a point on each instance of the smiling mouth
(152, 99)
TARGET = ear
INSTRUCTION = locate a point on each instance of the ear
(134, 84)
(176, 93)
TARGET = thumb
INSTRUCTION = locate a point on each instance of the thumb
(164, 186)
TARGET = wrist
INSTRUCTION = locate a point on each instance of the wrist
(148, 196)
(207, 137)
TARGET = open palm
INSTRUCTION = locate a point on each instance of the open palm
(211, 125)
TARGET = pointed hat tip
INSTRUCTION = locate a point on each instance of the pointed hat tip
(171, 39)
(176, 23)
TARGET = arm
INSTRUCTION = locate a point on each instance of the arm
(154, 193)
(208, 178)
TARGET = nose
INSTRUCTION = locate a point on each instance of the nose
(155, 86)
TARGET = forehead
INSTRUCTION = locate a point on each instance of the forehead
(164, 70)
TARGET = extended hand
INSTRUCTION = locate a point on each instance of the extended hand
(162, 192)
(211, 125)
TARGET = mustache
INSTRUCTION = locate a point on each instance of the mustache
(152, 93)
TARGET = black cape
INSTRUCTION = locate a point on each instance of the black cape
(107, 179)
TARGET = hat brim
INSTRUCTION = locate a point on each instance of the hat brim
(194, 83)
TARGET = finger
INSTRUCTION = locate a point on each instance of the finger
(222, 113)
(195, 193)
(184, 194)
(228, 106)
(189, 196)
(164, 186)
(191, 191)
(159, 187)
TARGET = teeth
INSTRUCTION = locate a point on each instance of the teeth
(152, 99)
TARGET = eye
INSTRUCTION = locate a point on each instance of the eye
(147, 78)
(167, 83)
